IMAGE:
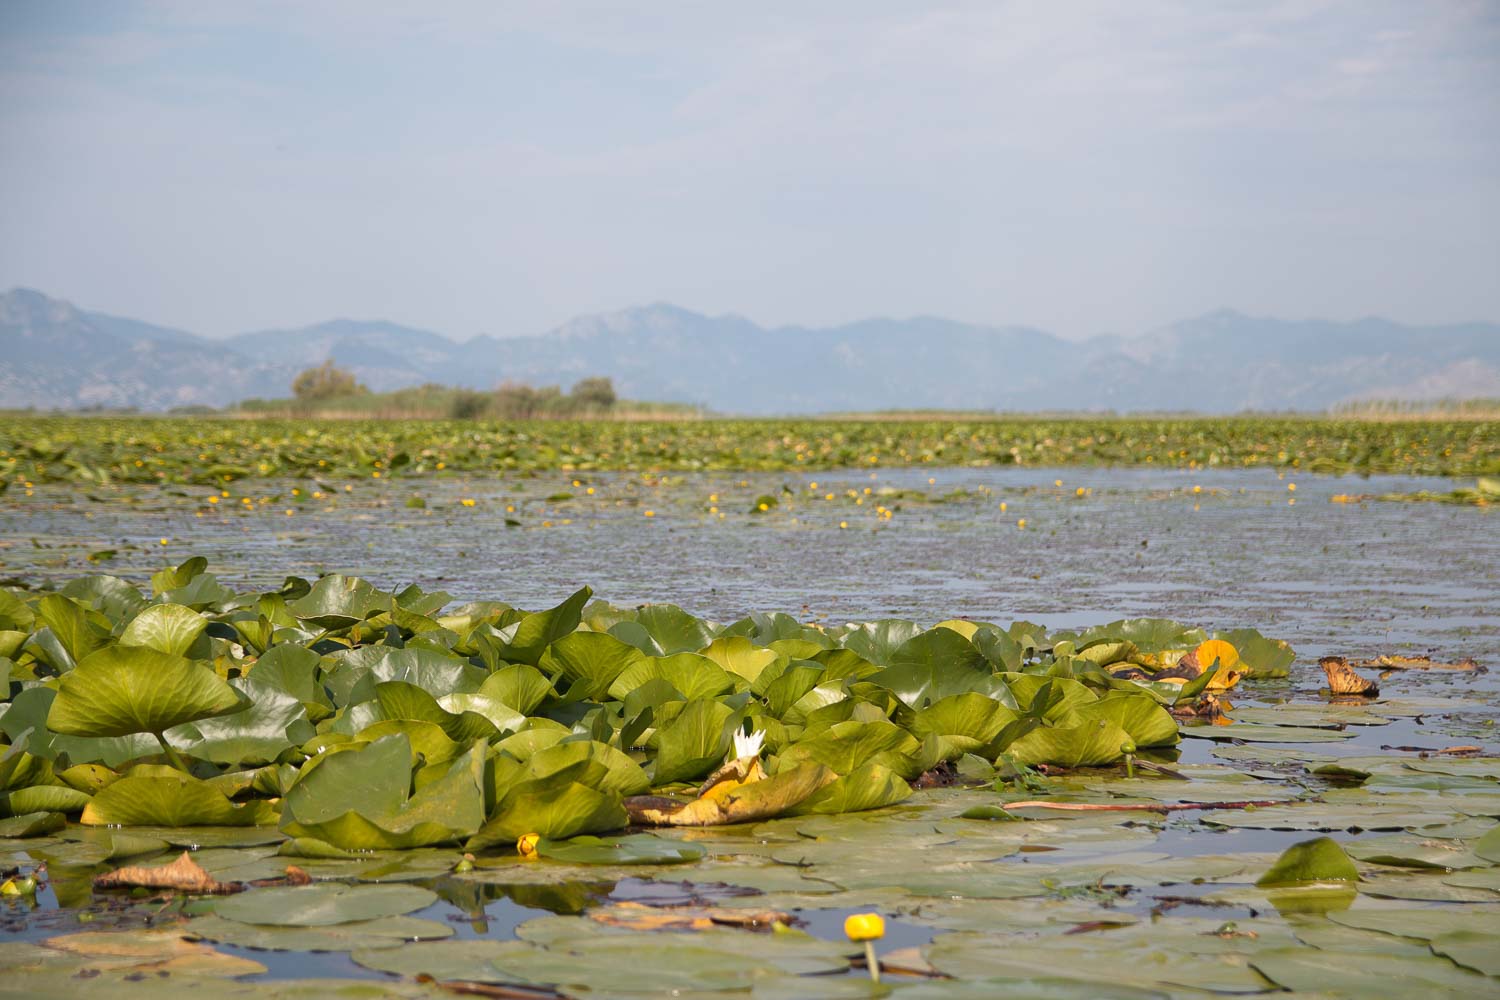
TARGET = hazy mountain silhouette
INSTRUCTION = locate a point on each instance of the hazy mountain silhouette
(55, 356)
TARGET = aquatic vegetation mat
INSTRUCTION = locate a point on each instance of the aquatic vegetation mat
(99, 450)
(200, 785)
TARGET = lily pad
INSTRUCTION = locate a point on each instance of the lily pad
(122, 690)
(322, 904)
(638, 849)
(1310, 862)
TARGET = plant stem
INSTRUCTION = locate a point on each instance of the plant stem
(872, 961)
(172, 755)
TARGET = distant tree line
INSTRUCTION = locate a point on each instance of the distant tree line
(329, 385)
(518, 401)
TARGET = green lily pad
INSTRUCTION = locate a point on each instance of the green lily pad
(1477, 950)
(1266, 734)
(171, 799)
(168, 628)
(360, 799)
(381, 932)
(638, 849)
(1362, 974)
(122, 690)
(1423, 924)
(323, 903)
(36, 824)
(1310, 862)
(1408, 851)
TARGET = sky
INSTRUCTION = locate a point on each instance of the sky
(500, 167)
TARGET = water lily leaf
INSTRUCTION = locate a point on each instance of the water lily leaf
(973, 955)
(1148, 724)
(694, 742)
(637, 849)
(789, 687)
(36, 824)
(673, 629)
(878, 641)
(292, 670)
(429, 744)
(848, 746)
(1423, 924)
(1266, 734)
(869, 786)
(337, 602)
(934, 664)
(622, 775)
(1363, 974)
(555, 807)
(1150, 635)
(527, 639)
(967, 722)
(104, 844)
(202, 591)
(19, 769)
(520, 686)
(1409, 851)
(740, 656)
(589, 662)
(323, 903)
(311, 847)
(1488, 846)
(123, 690)
(168, 628)
(400, 700)
(381, 932)
(170, 799)
(499, 715)
(1477, 950)
(691, 674)
(356, 672)
(467, 961)
(42, 798)
(69, 624)
(1089, 744)
(359, 799)
(682, 963)
(1264, 658)
(159, 951)
(1311, 861)
(274, 722)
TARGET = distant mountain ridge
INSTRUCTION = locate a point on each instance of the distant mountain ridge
(56, 356)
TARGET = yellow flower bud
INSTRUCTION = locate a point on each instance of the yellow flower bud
(864, 927)
(526, 846)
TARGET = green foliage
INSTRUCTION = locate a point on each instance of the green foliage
(361, 720)
(192, 450)
(326, 382)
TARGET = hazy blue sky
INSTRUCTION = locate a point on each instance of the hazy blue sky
(500, 167)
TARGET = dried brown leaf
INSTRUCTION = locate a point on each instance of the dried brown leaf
(183, 875)
(1343, 680)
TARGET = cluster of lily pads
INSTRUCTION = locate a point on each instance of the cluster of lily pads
(1484, 493)
(99, 451)
(357, 719)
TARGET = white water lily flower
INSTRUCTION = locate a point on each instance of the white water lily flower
(748, 746)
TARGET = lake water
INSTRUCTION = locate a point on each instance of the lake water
(1356, 579)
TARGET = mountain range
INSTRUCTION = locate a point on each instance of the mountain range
(56, 356)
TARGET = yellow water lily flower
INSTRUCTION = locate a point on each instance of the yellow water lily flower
(526, 845)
